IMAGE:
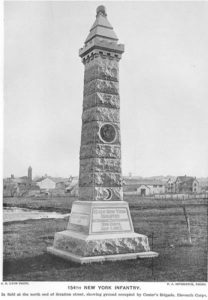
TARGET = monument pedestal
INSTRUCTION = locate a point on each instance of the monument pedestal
(100, 231)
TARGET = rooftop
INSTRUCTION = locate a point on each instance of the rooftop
(185, 178)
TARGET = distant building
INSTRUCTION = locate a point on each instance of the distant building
(10, 188)
(203, 184)
(26, 186)
(170, 186)
(18, 186)
(186, 184)
(143, 187)
(46, 183)
(183, 184)
(52, 183)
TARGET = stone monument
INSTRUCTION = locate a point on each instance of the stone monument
(100, 226)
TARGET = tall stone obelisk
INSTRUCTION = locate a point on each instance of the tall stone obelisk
(100, 226)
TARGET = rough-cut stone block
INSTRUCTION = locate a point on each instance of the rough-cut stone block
(100, 193)
(99, 69)
(100, 179)
(90, 133)
(103, 114)
(101, 99)
(96, 247)
(90, 165)
(100, 150)
(101, 86)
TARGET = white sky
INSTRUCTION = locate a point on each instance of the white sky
(163, 86)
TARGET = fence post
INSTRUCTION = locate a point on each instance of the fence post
(152, 257)
(187, 223)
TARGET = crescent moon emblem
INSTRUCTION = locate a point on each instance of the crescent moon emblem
(109, 191)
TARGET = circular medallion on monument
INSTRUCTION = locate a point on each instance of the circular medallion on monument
(107, 133)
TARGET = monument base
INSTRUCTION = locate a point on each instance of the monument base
(84, 260)
(100, 231)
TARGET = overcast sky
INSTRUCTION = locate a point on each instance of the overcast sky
(163, 86)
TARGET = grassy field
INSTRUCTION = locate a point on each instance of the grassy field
(25, 243)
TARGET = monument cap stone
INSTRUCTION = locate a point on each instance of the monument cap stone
(101, 27)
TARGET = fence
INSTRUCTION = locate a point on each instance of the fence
(180, 196)
(168, 196)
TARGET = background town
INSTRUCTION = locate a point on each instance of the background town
(50, 186)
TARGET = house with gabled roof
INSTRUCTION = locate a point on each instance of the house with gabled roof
(170, 185)
(186, 184)
(183, 184)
